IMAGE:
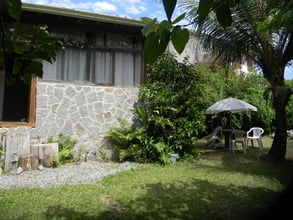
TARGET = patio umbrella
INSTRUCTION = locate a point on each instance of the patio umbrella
(231, 105)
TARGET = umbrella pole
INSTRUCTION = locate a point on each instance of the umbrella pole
(229, 120)
(229, 128)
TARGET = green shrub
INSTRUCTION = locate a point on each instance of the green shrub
(171, 110)
(249, 87)
(66, 144)
(174, 102)
(135, 145)
(168, 116)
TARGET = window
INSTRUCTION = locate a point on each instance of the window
(100, 59)
(17, 103)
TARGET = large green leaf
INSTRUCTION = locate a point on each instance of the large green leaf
(204, 8)
(224, 14)
(25, 31)
(221, 8)
(25, 45)
(48, 53)
(14, 9)
(150, 26)
(169, 6)
(156, 40)
(164, 26)
(179, 37)
(179, 18)
(34, 67)
(164, 41)
(151, 47)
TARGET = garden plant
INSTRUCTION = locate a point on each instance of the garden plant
(219, 185)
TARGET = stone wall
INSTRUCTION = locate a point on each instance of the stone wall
(85, 112)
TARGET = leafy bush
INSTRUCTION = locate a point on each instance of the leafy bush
(168, 116)
(249, 87)
(174, 93)
(253, 92)
(66, 144)
(171, 112)
(135, 145)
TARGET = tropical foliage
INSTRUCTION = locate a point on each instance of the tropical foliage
(66, 146)
(260, 31)
(220, 186)
(171, 112)
(22, 47)
(168, 116)
(159, 34)
(270, 48)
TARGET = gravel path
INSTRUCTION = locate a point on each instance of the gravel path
(72, 174)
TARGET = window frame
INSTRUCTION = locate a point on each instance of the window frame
(31, 108)
(112, 51)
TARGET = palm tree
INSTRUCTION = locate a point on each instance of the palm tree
(271, 49)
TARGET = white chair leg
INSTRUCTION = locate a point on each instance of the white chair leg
(247, 142)
(244, 147)
(233, 143)
(260, 144)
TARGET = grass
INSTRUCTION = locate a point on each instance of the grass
(221, 185)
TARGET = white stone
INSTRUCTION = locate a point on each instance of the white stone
(19, 171)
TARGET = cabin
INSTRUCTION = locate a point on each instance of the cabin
(93, 81)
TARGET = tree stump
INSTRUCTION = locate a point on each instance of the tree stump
(48, 160)
(28, 162)
(45, 152)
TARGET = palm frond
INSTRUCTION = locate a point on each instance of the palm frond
(243, 39)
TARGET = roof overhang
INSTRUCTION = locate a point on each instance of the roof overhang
(81, 15)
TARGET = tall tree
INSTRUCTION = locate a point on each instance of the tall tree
(260, 30)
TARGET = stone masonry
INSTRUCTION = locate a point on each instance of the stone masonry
(85, 112)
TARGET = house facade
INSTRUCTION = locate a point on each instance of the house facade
(93, 82)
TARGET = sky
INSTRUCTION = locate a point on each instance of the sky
(134, 9)
(123, 8)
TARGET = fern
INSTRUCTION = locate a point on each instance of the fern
(66, 144)
(135, 145)
(119, 136)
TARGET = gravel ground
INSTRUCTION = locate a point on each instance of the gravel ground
(71, 174)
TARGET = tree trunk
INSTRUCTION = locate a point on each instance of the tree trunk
(281, 97)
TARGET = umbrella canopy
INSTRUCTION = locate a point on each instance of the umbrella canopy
(231, 105)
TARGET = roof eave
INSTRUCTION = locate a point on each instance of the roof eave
(81, 15)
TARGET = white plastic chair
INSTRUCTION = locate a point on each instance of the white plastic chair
(214, 139)
(238, 137)
(255, 133)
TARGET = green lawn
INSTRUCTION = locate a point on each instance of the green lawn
(221, 185)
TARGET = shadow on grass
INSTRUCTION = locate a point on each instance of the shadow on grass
(199, 199)
(252, 164)
(196, 200)
(57, 212)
